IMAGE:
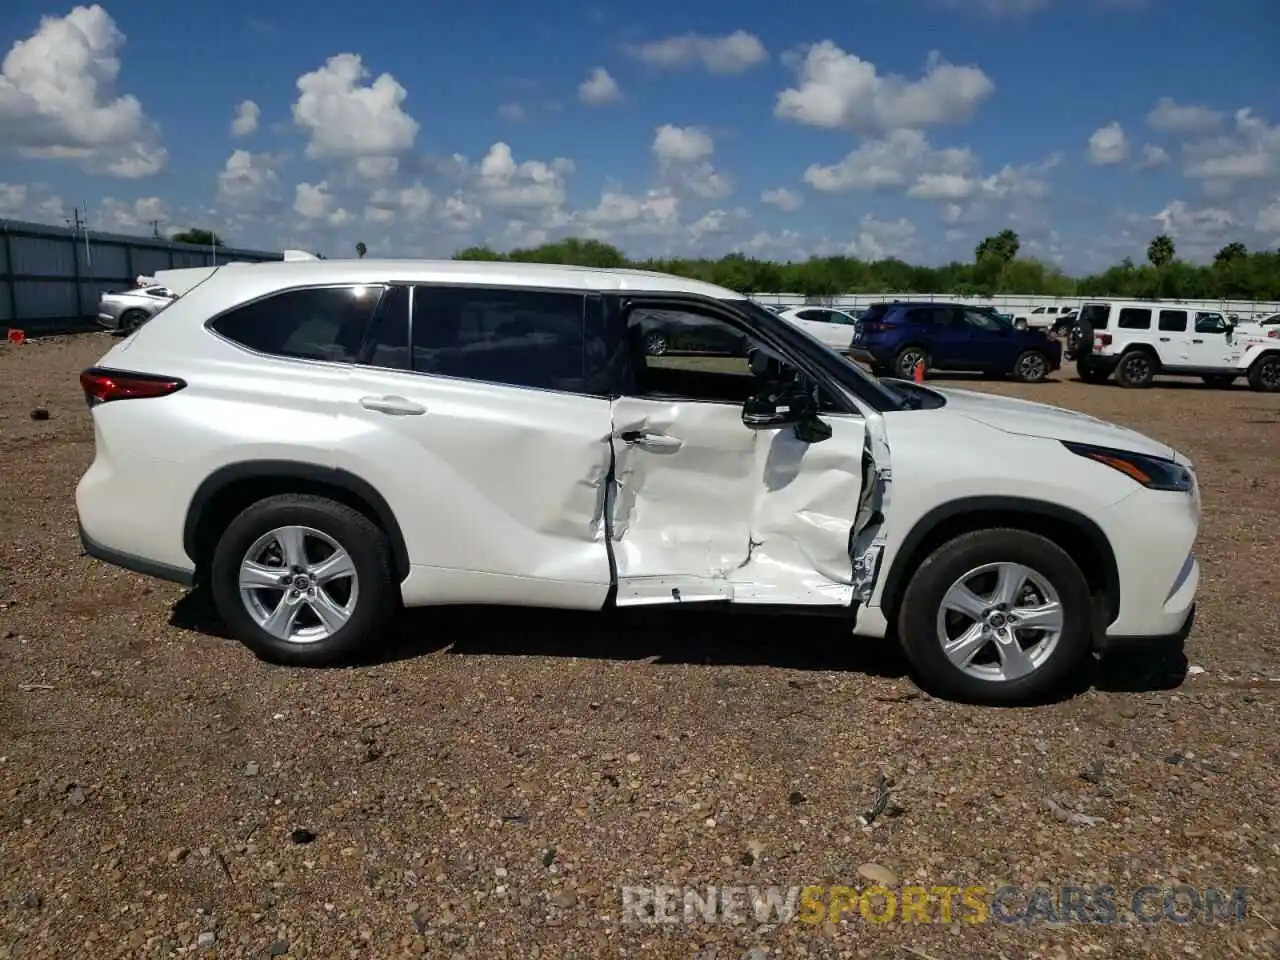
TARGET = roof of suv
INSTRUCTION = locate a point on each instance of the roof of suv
(282, 274)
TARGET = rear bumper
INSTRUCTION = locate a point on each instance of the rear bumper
(128, 561)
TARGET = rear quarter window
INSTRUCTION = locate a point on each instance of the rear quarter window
(1096, 315)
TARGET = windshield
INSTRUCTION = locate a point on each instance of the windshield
(843, 370)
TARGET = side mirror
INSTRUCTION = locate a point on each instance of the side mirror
(786, 404)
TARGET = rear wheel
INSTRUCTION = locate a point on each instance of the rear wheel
(997, 616)
(303, 580)
(1032, 366)
(1219, 379)
(132, 320)
(904, 365)
(1136, 369)
(1264, 375)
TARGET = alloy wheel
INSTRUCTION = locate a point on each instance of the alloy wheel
(298, 584)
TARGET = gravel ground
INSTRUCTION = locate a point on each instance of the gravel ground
(489, 788)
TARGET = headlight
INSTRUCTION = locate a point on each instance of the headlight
(1154, 473)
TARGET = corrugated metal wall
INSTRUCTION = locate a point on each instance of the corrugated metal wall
(50, 278)
(1012, 302)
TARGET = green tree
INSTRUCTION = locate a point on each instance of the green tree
(197, 236)
(1230, 254)
(1161, 250)
(361, 249)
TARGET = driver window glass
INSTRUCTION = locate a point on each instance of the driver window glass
(1210, 323)
(982, 321)
(689, 356)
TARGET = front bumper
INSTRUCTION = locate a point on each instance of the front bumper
(110, 321)
(1167, 642)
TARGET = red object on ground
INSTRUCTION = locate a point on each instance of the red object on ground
(918, 375)
(17, 336)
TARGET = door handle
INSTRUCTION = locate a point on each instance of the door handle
(396, 406)
(658, 441)
(1197, 341)
(1164, 339)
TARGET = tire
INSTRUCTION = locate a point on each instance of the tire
(1219, 380)
(132, 320)
(904, 364)
(1136, 370)
(1032, 366)
(655, 343)
(372, 595)
(922, 618)
(1264, 375)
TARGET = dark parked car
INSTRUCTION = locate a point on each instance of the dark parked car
(894, 337)
(671, 332)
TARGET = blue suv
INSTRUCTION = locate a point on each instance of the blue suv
(893, 337)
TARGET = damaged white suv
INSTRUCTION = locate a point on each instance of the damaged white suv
(321, 442)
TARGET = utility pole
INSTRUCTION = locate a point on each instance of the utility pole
(155, 228)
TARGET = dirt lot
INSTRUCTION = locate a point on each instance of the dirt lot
(489, 788)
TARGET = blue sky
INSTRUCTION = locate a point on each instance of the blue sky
(875, 128)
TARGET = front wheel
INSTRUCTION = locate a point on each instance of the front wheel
(1264, 375)
(303, 580)
(655, 344)
(1032, 366)
(999, 617)
(1136, 370)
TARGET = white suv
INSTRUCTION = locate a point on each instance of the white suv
(833, 327)
(1139, 339)
(322, 442)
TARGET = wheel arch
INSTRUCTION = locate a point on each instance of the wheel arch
(232, 488)
(1145, 348)
(1082, 539)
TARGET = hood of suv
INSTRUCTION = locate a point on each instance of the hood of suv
(1055, 423)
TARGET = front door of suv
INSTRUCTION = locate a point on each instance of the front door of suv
(474, 416)
(705, 508)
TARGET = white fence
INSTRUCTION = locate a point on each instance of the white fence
(1015, 303)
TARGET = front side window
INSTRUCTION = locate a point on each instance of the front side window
(314, 323)
(1210, 323)
(983, 321)
(522, 338)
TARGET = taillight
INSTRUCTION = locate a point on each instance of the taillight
(103, 386)
(1274, 333)
(1103, 339)
(870, 326)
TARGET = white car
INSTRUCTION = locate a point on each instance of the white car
(832, 327)
(1139, 339)
(322, 442)
(127, 310)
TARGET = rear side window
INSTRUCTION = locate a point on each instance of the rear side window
(318, 323)
(929, 316)
(1133, 318)
(523, 338)
(875, 314)
(1096, 315)
(1173, 321)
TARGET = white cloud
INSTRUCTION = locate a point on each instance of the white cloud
(1251, 154)
(599, 88)
(13, 198)
(246, 179)
(128, 216)
(1001, 8)
(655, 212)
(684, 158)
(246, 119)
(879, 239)
(514, 110)
(316, 202)
(1152, 157)
(1168, 116)
(1268, 221)
(386, 205)
(900, 160)
(503, 183)
(1199, 232)
(344, 118)
(682, 144)
(782, 198)
(58, 100)
(839, 90)
(734, 53)
(1108, 145)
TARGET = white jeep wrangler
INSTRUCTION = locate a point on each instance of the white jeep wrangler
(1136, 340)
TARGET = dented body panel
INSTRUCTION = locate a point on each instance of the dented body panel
(703, 508)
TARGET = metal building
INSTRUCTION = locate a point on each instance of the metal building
(51, 277)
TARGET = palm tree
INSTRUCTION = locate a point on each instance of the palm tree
(361, 249)
(1231, 252)
(1161, 250)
